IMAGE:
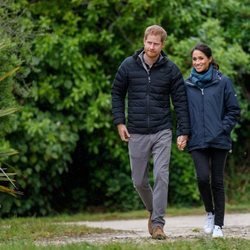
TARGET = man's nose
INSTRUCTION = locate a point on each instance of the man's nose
(152, 46)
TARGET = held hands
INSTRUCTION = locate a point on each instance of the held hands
(123, 132)
(182, 142)
(124, 135)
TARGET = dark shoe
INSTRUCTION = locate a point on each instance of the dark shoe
(158, 233)
(150, 228)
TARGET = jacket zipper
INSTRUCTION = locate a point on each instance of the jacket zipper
(203, 117)
(148, 86)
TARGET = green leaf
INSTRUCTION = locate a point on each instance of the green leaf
(8, 111)
(8, 153)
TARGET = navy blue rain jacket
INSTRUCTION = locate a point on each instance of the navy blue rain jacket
(214, 111)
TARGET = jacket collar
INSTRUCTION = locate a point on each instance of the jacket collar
(163, 57)
(216, 77)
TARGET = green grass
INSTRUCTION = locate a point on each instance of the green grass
(22, 233)
(195, 244)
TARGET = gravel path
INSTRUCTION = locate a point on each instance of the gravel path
(177, 227)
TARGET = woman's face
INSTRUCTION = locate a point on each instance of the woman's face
(200, 61)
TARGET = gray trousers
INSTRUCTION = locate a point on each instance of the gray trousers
(141, 148)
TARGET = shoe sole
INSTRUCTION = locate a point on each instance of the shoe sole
(208, 232)
(215, 237)
(159, 237)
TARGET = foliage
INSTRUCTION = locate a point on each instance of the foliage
(5, 177)
(182, 181)
(6, 100)
(11, 44)
(70, 154)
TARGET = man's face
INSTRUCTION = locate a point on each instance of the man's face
(153, 46)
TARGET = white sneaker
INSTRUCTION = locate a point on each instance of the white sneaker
(217, 232)
(209, 223)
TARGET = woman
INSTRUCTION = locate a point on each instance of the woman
(214, 111)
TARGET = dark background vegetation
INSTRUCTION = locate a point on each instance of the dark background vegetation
(70, 156)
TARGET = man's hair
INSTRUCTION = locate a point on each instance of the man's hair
(156, 30)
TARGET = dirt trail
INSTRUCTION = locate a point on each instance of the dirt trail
(177, 227)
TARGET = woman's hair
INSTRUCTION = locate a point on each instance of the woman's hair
(207, 51)
(156, 30)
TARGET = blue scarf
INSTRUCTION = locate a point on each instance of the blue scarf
(200, 79)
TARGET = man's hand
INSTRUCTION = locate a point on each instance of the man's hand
(123, 132)
(182, 142)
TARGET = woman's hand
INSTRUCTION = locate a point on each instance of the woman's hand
(182, 142)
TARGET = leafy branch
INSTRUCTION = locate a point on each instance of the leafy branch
(5, 177)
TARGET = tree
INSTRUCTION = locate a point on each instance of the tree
(12, 42)
(69, 148)
(5, 153)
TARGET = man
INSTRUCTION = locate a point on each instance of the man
(150, 79)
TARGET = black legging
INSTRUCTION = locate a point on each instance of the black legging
(210, 162)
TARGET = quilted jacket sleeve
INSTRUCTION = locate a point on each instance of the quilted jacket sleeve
(179, 100)
(119, 91)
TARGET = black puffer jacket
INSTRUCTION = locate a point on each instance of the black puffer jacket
(149, 96)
